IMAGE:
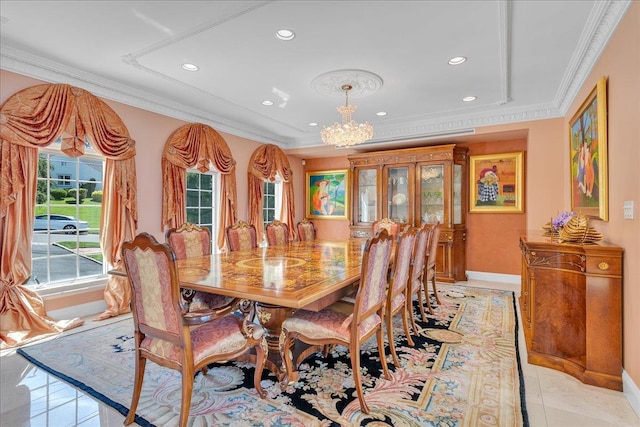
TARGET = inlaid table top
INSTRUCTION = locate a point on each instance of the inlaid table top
(299, 274)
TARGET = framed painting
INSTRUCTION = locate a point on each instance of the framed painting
(588, 155)
(496, 183)
(327, 194)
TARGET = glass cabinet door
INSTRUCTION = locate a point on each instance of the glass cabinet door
(398, 194)
(367, 204)
(457, 194)
(432, 197)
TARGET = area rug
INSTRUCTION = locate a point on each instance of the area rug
(464, 370)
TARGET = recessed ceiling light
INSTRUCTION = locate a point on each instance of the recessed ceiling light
(190, 67)
(381, 113)
(313, 124)
(285, 35)
(457, 60)
(267, 102)
(469, 98)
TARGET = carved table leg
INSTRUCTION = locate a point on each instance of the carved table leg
(271, 317)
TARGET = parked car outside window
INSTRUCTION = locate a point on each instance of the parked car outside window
(66, 223)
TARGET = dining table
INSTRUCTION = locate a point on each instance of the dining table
(279, 279)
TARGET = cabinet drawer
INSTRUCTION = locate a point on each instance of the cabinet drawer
(605, 266)
(446, 236)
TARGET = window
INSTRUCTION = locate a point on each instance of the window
(66, 244)
(272, 201)
(64, 180)
(201, 208)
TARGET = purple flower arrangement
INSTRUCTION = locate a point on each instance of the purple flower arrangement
(561, 219)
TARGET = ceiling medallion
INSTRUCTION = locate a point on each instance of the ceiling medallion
(363, 83)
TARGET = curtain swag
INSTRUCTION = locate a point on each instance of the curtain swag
(197, 145)
(36, 117)
(266, 162)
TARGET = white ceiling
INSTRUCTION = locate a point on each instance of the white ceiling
(526, 60)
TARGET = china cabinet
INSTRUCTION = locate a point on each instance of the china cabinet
(415, 186)
(571, 306)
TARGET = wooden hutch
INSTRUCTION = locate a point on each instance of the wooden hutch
(415, 186)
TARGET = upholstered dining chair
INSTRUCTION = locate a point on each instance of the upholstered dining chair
(171, 337)
(188, 241)
(392, 227)
(277, 233)
(345, 324)
(417, 271)
(241, 236)
(306, 231)
(430, 264)
(397, 291)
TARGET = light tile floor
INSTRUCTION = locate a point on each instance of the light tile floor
(31, 397)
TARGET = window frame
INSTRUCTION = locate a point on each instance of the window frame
(79, 282)
(277, 200)
(215, 211)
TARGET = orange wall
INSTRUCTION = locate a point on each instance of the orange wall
(491, 237)
(620, 62)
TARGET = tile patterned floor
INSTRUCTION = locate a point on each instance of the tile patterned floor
(31, 397)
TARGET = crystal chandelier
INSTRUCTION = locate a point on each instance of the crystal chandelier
(349, 132)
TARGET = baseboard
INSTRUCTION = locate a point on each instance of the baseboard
(631, 392)
(513, 279)
(80, 310)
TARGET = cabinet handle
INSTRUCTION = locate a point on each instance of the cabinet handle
(603, 265)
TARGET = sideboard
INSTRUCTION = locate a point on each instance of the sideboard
(571, 307)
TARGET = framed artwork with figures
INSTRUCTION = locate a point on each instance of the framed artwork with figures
(327, 194)
(496, 183)
(588, 155)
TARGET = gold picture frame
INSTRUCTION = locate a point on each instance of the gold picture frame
(496, 183)
(588, 155)
(327, 194)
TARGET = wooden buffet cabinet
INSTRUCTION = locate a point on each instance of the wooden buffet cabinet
(571, 306)
(415, 186)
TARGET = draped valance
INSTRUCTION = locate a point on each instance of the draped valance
(266, 163)
(197, 145)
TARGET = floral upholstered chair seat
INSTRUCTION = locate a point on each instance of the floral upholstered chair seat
(222, 336)
(328, 323)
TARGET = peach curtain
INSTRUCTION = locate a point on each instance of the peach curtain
(32, 118)
(197, 145)
(265, 163)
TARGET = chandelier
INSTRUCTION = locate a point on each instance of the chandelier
(349, 132)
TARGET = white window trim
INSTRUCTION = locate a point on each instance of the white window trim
(215, 201)
(80, 284)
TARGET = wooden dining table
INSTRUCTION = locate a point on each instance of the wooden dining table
(279, 279)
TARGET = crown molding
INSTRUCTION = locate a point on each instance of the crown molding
(603, 20)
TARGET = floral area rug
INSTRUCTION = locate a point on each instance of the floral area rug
(463, 371)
